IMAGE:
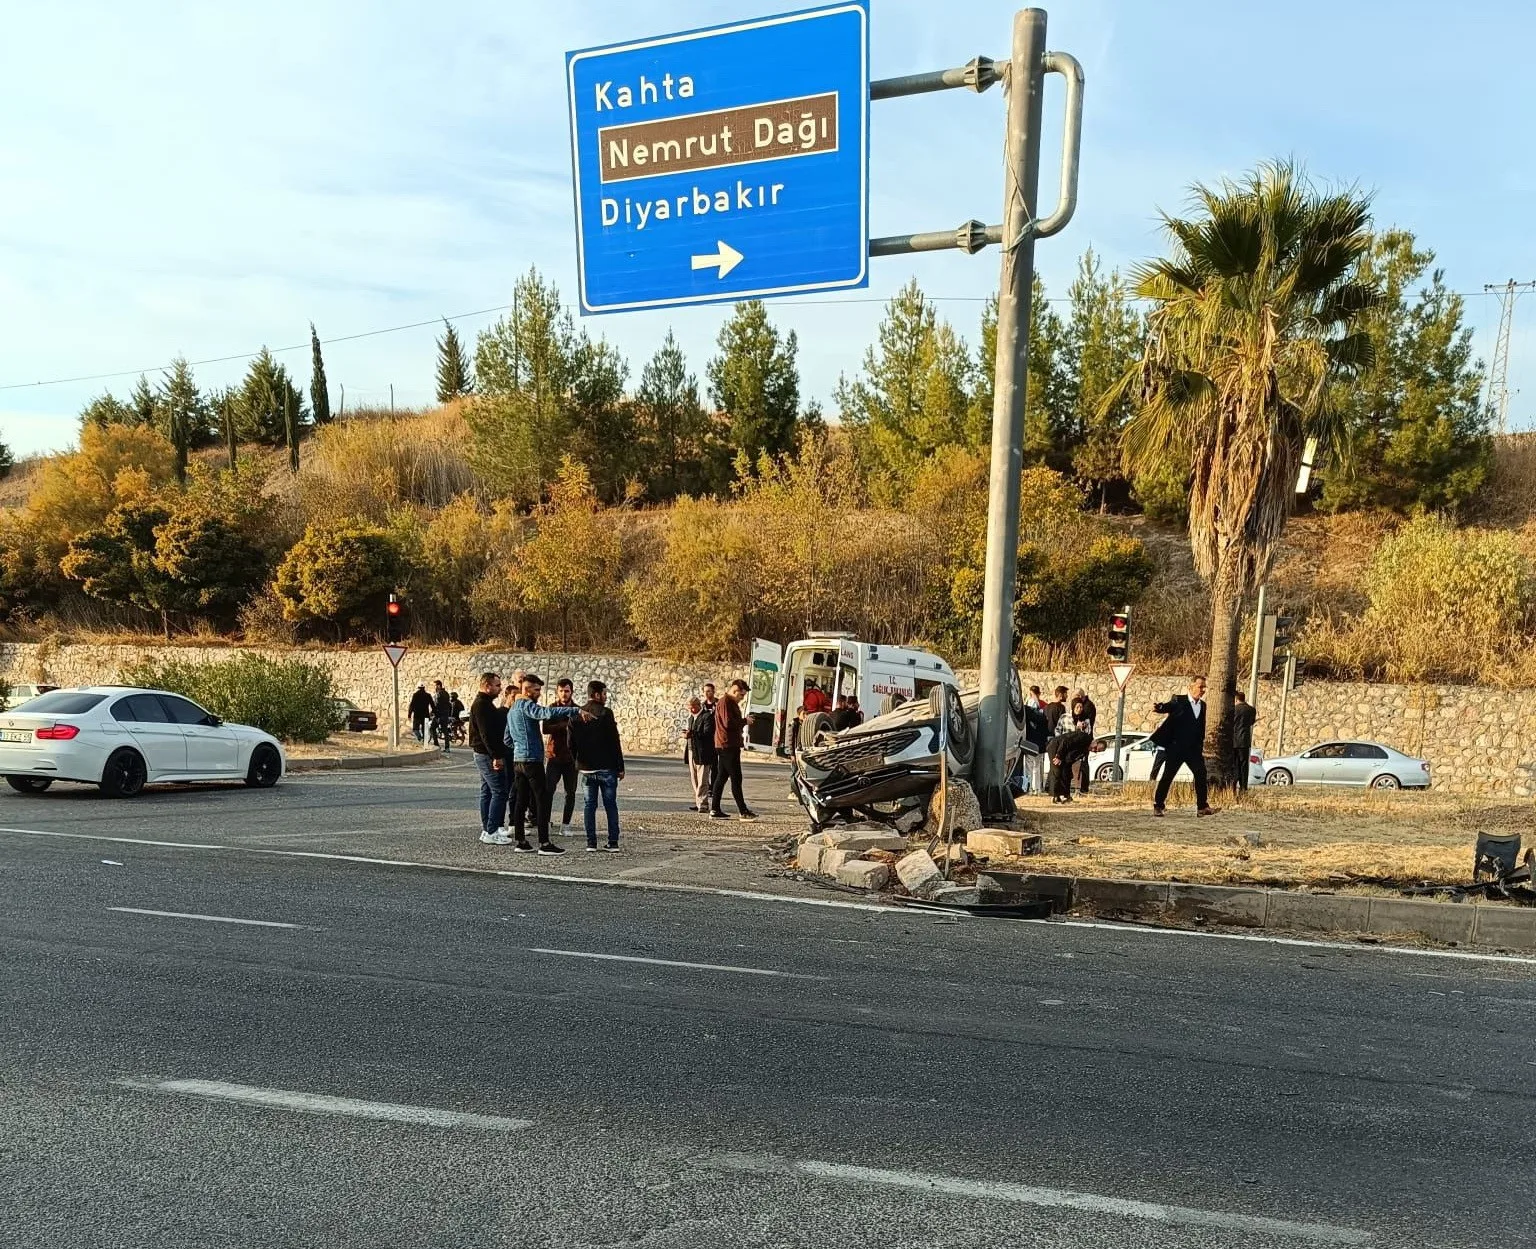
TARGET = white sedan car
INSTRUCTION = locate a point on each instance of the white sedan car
(122, 739)
(1136, 755)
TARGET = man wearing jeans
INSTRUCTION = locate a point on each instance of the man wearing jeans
(487, 731)
(526, 746)
(595, 743)
(559, 766)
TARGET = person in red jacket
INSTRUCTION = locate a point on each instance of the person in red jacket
(730, 725)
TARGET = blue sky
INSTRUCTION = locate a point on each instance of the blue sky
(206, 178)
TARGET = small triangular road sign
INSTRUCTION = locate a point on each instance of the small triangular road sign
(395, 653)
(1122, 674)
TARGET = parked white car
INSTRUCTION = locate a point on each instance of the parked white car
(1349, 763)
(21, 691)
(1136, 755)
(122, 739)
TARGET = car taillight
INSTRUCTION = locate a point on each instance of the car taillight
(1255, 758)
(57, 732)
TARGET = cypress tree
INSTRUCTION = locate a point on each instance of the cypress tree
(453, 377)
(291, 431)
(319, 391)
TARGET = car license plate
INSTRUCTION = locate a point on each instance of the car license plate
(15, 735)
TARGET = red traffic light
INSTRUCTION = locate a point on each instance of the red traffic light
(1119, 624)
(394, 606)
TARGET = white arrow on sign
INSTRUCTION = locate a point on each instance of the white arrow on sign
(726, 259)
(394, 652)
(1121, 673)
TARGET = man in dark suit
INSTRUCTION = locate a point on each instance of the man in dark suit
(1243, 717)
(1182, 738)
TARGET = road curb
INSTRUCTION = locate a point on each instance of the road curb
(357, 763)
(1449, 923)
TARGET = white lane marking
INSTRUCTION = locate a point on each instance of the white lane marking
(755, 895)
(668, 962)
(211, 919)
(1028, 1194)
(317, 1104)
(1464, 955)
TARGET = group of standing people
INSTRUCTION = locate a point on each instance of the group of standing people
(436, 715)
(525, 748)
(713, 739)
(1061, 733)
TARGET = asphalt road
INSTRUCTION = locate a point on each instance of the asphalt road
(389, 1056)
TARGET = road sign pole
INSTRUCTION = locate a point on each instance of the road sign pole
(1119, 733)
(394, 720)
(1285, 697)
(1021, 183)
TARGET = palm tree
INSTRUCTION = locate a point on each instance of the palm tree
(1257, 313)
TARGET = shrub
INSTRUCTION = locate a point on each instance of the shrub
(338, 573)
(288, 698)
(368, 468)
(1446, 602)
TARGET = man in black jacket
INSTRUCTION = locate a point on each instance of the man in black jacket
(1065, 751)
(1243, 717)
(442, 713)
(700, 751)
(420, 709)
(600, 757)
(1182, 739)
(487, 731)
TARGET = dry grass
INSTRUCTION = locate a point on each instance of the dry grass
(369, 467)
(1307, 840)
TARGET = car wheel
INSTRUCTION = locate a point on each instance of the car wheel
(1278, 776)
(1109, 772)
(1386, 781)
(266, 766)
(1015, 698)
(29, 784)
(125, 774)
(812, 727)
(962, 735)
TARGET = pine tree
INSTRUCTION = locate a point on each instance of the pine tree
(319, 389)
(755, 383)
(141, 403)
(675, 426)
(453, 378)
(915, 392)
(182, 412)
(107, 410)
(264, 401)
(1104, 337)
(1416, 433)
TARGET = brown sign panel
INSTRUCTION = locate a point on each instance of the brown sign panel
(731, 136)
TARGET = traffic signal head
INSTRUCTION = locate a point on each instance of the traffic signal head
(1119, 647)
(393, 607)
(1285, 628)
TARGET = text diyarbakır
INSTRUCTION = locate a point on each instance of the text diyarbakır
(698, 202)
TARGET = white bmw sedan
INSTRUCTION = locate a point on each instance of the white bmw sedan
(122, 739)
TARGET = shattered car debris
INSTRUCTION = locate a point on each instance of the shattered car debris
(876, 770)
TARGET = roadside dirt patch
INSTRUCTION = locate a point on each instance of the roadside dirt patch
(1303, 838)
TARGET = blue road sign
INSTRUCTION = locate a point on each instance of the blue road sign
(725, 163)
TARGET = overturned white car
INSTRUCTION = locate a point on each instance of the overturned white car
(873, 771)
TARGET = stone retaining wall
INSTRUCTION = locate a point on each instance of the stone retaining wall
(648, 696)
(1476, 739)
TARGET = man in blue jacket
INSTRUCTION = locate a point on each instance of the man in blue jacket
(525, 745)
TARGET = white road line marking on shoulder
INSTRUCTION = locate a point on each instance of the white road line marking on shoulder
(316, 1104)
(1027, 1194)
(669, 962)
(1305, 942)
(211, 919)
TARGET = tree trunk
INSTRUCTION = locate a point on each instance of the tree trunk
(1226, 613)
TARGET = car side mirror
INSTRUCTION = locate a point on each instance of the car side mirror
(212, 722)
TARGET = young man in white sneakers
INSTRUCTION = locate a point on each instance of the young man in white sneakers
(526, 745)
(487, 729)
(559, 763)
